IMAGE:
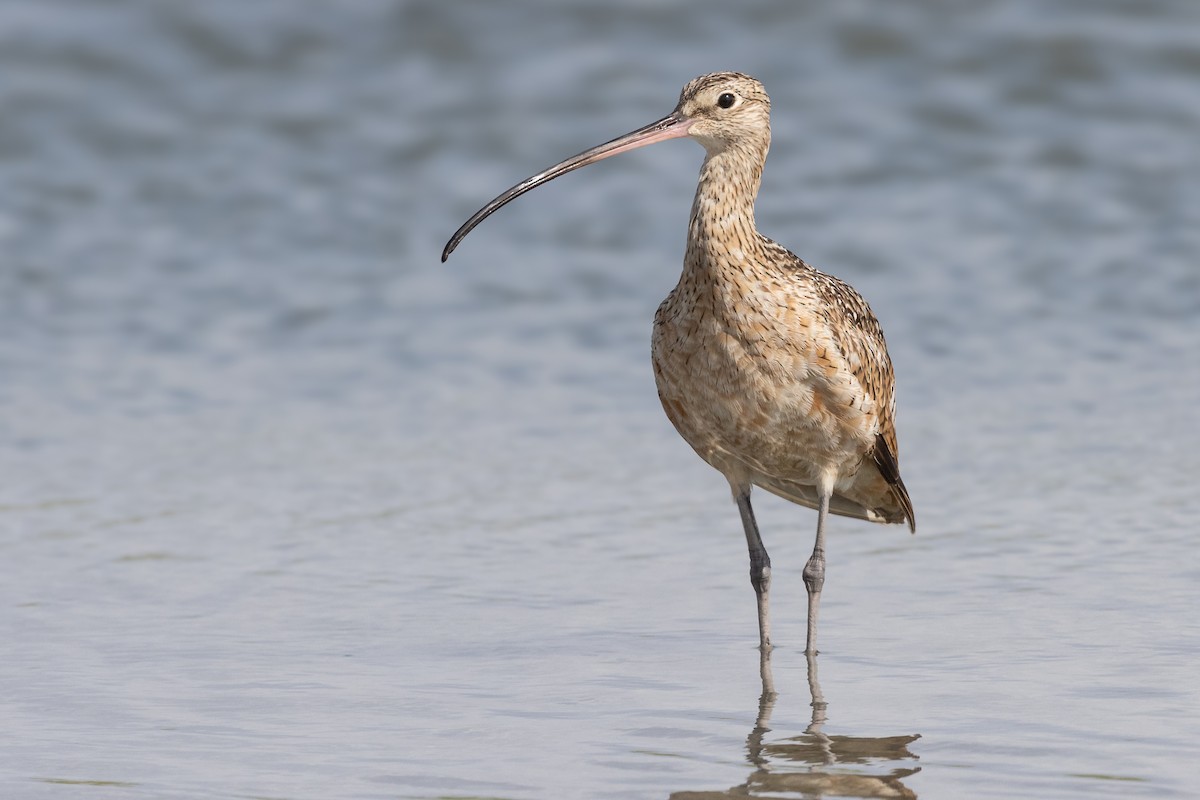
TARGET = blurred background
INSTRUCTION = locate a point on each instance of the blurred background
(289, 509)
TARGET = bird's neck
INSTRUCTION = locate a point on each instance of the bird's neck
(722, 232)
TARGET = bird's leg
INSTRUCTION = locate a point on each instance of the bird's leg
(814, 570)
(760, 566)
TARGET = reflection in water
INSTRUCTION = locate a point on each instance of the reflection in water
(815, 764)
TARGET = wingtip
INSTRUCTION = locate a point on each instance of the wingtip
(885, 461)
(902, 495)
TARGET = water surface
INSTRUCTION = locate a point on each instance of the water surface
(291, 510)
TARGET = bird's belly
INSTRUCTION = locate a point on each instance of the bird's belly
(752, 409)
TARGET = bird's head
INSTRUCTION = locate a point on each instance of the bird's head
(726, 110)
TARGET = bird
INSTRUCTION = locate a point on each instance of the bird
(776, 374)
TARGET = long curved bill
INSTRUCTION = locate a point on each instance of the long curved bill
(672, 126)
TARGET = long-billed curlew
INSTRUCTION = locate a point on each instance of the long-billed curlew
(776, 374)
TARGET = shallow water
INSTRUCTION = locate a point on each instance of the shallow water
(290, 510)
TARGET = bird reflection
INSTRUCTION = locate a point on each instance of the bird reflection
(816, 764)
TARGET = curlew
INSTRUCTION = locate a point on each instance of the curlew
(775, 373)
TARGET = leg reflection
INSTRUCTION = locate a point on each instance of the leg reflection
(814, 691)
(766, 704)
(814, 763)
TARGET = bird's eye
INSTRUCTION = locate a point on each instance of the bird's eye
(725, 100)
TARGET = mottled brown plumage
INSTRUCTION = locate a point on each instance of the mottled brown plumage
(775, 373)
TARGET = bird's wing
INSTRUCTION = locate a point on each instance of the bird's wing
(857, 334)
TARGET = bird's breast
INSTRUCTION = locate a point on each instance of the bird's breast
(750, 377)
